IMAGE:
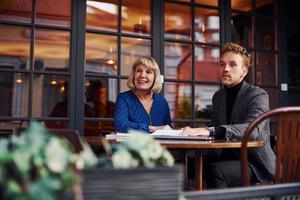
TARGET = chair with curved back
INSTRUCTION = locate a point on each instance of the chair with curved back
(287, 145)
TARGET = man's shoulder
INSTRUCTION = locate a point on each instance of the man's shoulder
(253, 89)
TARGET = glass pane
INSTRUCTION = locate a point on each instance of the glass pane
(136, 17)
(266, 7)
(273, 96)
(178, 61)
(14, 47)
(98, 128)
(52, 50)
(266, 36)
(179, 98)
(132, 48)
(51, 96)
(241, 5)
(250, 77)
(207, 26)
(241, 30)
(203, 100)
(293, 42)
(7, 128)
(57, 124)
(102, 15)
(293, 70)
(101, 54)
(292, 10)
(207, 63)
(266, 69)
(124, 86)
(177, 24)
(14, 94)
(16, 10)
(293, 98)
(178, 125)
(183, 0)
(101, 95)
(50, 13)
(208, 2)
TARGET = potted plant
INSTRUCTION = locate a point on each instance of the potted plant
(137, 168)
(38, 165)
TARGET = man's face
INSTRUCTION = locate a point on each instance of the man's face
(232, 70)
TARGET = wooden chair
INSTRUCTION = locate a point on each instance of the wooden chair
(287, 146)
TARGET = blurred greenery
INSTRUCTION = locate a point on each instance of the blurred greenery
(38, 165)
(138, 149)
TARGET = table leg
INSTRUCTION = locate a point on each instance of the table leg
(199, 170)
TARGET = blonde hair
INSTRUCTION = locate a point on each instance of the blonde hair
(151, 64)
(237, 49)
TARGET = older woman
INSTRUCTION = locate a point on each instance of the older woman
(142, 108)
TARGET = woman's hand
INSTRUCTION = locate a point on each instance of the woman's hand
(163, 127)
(195, 131)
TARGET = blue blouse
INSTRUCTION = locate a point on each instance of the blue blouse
(130, 113)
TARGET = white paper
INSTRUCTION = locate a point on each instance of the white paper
(167, 132)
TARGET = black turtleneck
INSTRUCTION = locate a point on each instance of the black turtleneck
(231, 94)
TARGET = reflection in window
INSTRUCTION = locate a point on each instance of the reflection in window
(207, 26)
(136, 17)
(16, 10)
(14, 94)
(177, 24)
(14, 47)
(266, 69)
(241, 29)
(208, 2)
(102, 15)
(266, 36)
(50, 13)
(132, 48)
(101, 54)
(203, 100)
(179, 99)
(52, 49)
(241, 5)
(206, 63)
(51, 96)
(266, 7)
(178, 63)
(101, 94)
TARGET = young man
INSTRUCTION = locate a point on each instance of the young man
(234, 107)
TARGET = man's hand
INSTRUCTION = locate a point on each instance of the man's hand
(195, 131)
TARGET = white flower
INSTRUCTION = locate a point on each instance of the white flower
(56, 155)
(122, 159)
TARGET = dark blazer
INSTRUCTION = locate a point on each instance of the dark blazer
(251, 101)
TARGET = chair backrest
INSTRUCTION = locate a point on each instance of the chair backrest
(287, 146)
(71, 135)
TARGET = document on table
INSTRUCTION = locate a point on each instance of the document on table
(176, 134)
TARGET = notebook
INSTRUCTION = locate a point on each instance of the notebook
(176, 134)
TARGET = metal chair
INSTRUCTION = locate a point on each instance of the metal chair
(287, 145)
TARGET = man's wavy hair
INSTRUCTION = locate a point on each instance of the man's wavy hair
(150, 63)
(237, 49)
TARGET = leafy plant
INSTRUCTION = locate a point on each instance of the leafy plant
(39, 165)
(137, 150)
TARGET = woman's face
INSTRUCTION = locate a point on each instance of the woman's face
(143, 78)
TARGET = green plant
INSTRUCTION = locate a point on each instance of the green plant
(137, 150)
(39, 165)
